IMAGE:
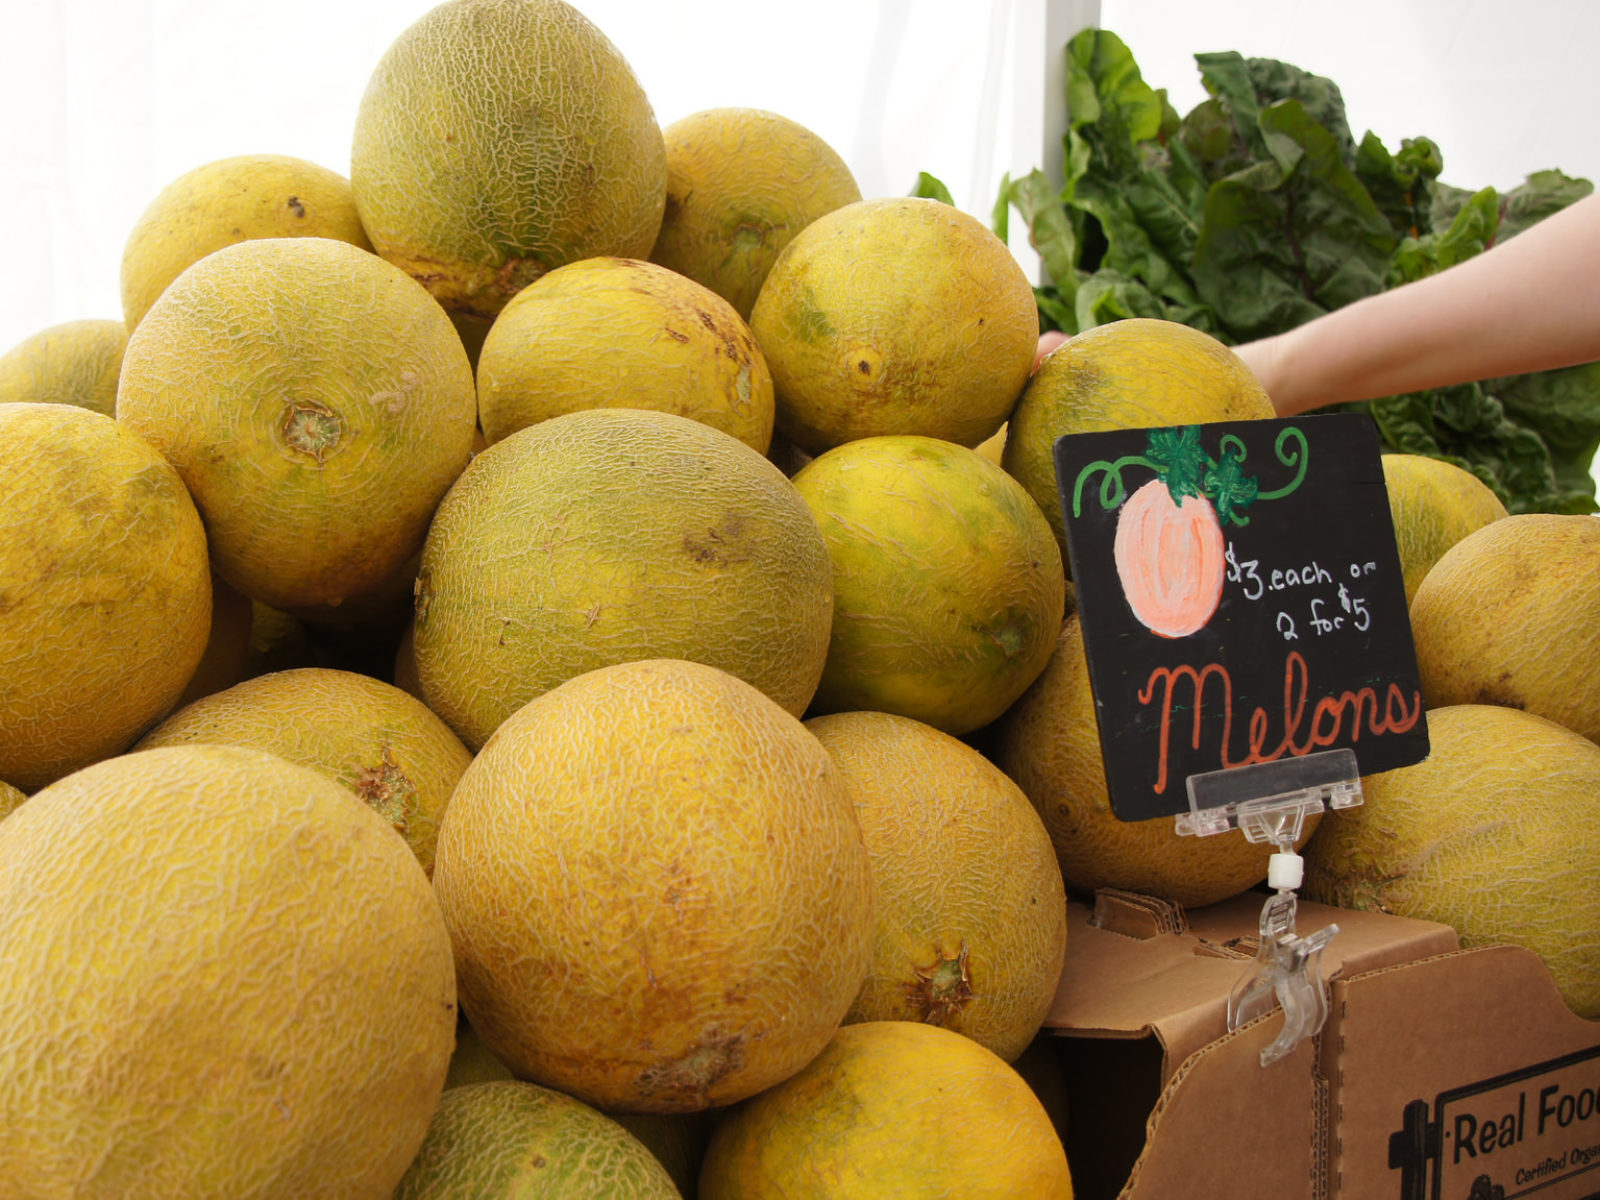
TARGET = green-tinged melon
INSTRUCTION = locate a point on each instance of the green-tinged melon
(509, 1138)
(498, 140)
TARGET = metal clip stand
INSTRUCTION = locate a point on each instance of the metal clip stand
(1269, 802)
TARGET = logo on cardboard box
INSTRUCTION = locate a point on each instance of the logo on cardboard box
(1535, 1131)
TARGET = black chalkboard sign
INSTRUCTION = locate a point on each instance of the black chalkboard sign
(1241, 600)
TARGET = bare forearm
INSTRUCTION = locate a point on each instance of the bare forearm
(1531, 303)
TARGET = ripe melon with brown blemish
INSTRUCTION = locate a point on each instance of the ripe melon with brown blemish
(668, 344)
(382, 743)
(948, 586)
(1049, 743)
(75, 362)
(657, 889)
(891, 1108)
(614, 534)
(224, 977)
(227, 201)
(971, 912)
(897, 315)
(105, 591)
(1125, 374)
(741, 182)
(500, 139)
(510, 1138)
(316, 402)
(1510, 615)
(1496, 834)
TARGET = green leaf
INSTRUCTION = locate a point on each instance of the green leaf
(930, 188)
(1399, 183)
(1230, 489)
(1000, 214)
(1107, 296)
(1049, 231)
(1543, 193)
(1563, 407)
(1469, 234)
(1179, 459)
(1292, 236)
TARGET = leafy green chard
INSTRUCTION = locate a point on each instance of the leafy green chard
(1259, 211)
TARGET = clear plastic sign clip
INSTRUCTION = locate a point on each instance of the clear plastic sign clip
(1269, 802)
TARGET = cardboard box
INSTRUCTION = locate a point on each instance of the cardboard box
(1426, 1047)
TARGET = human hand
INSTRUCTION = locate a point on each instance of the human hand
(1048, 341)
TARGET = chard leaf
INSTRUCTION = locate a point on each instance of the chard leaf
(1107, 296)
(1049, 230)
(1543, 193)
(1469, 234)
(1000, 213)
(929, 188)
(1468, 426)
(1564, 408)
(1292, 236)
(1399, 183)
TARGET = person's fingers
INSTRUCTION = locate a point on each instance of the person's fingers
(1048, 341)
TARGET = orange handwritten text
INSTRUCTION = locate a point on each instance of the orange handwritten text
(1331, 719)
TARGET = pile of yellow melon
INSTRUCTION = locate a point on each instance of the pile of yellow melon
(514, 673)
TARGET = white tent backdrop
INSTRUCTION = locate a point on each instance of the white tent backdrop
(105, 102)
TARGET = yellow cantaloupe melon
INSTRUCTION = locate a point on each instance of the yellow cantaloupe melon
(105, 591)
(224, 977)
(510, 1138)
(657, 889)
(615, 534)
(1510, 615)
(891, 1108)
(971, 912)
(948, 586)
(741, 182)
(317, 404)
(896, 315)
(621, 333)
(1496, 834)
(1433, 504)
(74, 362)
(231, 200)
(382, 743)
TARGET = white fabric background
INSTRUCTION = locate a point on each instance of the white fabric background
(102, 102)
